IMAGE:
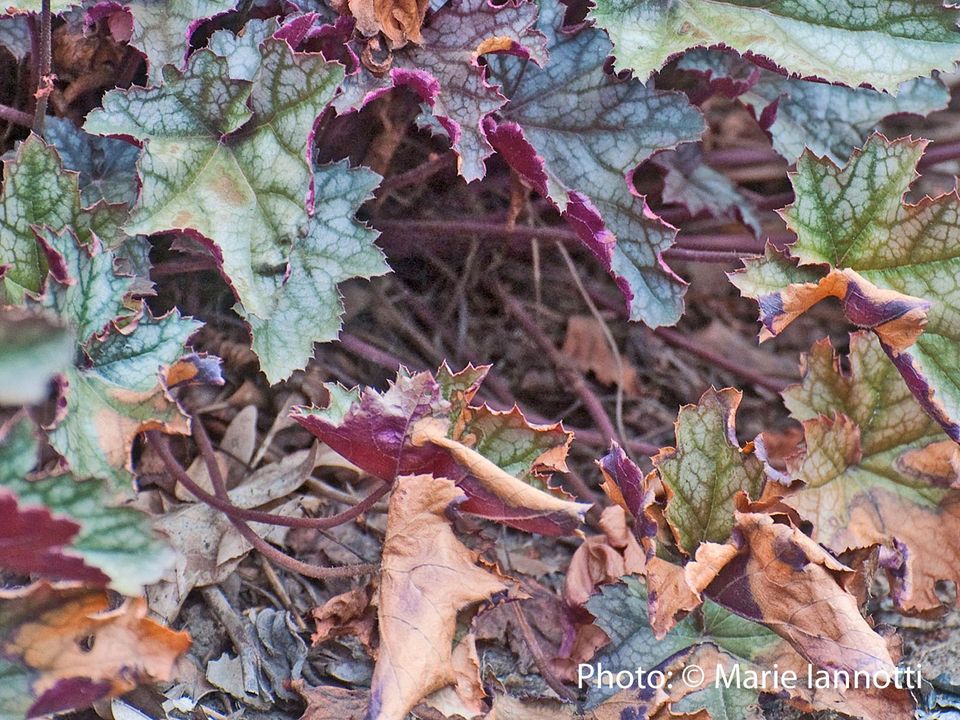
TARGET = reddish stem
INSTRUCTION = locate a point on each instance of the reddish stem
(590, 401)
(162, 447)
(265, 548)
(17, 117)
(672, 337)
(43, 65)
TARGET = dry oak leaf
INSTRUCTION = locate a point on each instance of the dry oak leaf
(398, 20)
(66, 647)
(876, 470)
(344, 614)
(603, 558)
(586, 345)
(427, 577)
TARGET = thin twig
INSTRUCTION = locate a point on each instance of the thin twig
(44, 61)
(239, 635)
(543, 664)
(573, 377)
(417, 175)
(611, 342)
(672, 337)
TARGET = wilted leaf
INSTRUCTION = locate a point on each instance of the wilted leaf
(66, 648)
(423, 424)
(427, 577)
(784, 580)
(575, 134)
(162, 30)
(866, 479)
(445, 71)
(34, 349)
(707, 470)
(116, 391)
(892, 265)
(830, 120)
(117, 541)
(847, 41)
(586, 345)
(398, 20)
(711, 638)
(690, 182)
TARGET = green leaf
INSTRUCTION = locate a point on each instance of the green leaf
(335, 247)
(36, 191)
(162, 29)
(116, 540)
(706, 470)
(34, 349)
(830, 120)
(34, 6)
(88, 294)
(621, 612)
(107, 167)
(575, 134)
(239, 176)
(876, 469)
(880, 44)
(894, 266)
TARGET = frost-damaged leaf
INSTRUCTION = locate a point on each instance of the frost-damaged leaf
(34, 348)
(115, 391)
(877, 469)
(162, 29)
(893, 265)
(107, 167)
(240, 178)
(575, 134)
(830, 120)
(880, 44)
(707, 470)
(711, 638)
(115, 540)
(398, 20)
(425, 425)
(427, 577)
(37, 191)
(32, 541)
(336, 248)
(689, 181)
(446, 73)
(67, 648)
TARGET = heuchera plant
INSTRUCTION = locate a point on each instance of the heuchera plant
(216, 145)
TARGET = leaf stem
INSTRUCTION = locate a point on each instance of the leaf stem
(248, 534)
(162, 447)
(541, 661)
(43, 63)
(17, 117)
